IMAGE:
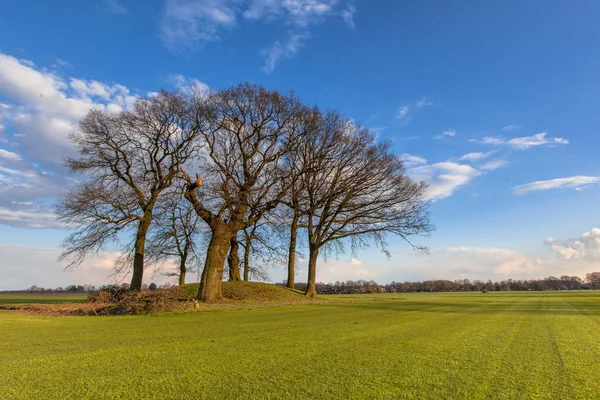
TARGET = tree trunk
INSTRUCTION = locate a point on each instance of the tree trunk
(247, 261)
(182, 269)
(234, 260)
(138, 258)
(292, 252)
(311, 290)
(212, 276)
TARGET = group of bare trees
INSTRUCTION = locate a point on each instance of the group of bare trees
(190, 175)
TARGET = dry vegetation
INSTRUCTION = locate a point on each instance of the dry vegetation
(118, 301)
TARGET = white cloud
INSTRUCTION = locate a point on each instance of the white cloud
(9, 156)
(444, 177)
(279, 51)
(184, 83)
(494, 260)
(33, 220)
(40, 110)
(559, 183)
(402, 113)
(586, 247)
(476, 156)
(189, 23)
(406, 111)
(511, 128)
(525, 142)
(411, 160)
(446, 134)
(44, 109)
(539, 139)
(348, 16)
(492, 165)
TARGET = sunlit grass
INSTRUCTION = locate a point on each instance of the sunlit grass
(475, 346)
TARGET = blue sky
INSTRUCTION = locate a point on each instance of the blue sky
(495, 104)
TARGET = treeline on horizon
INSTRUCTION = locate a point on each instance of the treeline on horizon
(565, 282)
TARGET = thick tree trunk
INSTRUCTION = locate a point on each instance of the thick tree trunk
(247, 250)
(292, 252)
(212, 276)
(234, 260)
(182, 270)
(138, 258)
(311, 290)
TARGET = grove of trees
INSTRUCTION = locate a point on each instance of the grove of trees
(192, 177)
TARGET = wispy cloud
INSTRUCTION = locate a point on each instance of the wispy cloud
(523, 143)
(477, 156)
(348, 16)
(493, 165)
(511, 128)
(115, 6)
(412, 160)
(576, 182)
(444, 177)
(446, 134)
(187, 24)
(406, 111)
(279, 51)
(185, 83)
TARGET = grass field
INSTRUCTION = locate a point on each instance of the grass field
(436, 346)
(41, 298)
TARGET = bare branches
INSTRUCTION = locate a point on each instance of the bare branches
(129, 159)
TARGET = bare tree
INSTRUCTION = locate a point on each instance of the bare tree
(250, 129)
(593, 278)
(129, 159)
(355, 191)
(262, 246)
(176, 237)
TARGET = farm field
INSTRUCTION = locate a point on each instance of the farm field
(424, 345)
(41, 298)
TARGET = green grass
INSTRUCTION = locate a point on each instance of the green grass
(41, 298)
(433, 346)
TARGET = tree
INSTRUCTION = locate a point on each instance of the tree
(250, 129)
(295, 167)
(130, 159)
(355, 191)
(262, 246)
(176, 237)
(593, 278)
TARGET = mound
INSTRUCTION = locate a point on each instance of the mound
(116, 301)
(250, 292)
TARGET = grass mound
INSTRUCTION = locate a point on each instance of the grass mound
(113, 300)
(249, 292)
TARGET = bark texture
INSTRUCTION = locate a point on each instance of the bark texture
(311, 290)
(292, 251)
(212, 276)
(233, 260)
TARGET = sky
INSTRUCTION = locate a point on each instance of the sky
(494, 104)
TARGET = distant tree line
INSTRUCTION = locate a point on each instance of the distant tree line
(565, 282)
(194, 178)
(89, 288)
